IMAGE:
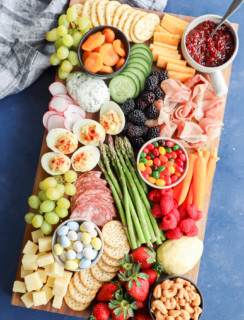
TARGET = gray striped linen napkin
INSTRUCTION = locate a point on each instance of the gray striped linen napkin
(24, 52)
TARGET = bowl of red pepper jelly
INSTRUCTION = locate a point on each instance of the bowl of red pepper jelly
(210, 54)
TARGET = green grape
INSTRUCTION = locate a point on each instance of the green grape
(34, 202)
(46, 228)
(84, 23)
(84, 31)
(62, 31)
(68, 40)
(41, 186)
(62, 213)
(53, 194)
(37, 221)
(54, 60)
(62, 75)
(70, 176)
(51, 218)
(47, 206)
(70, 189)
(59, 179)
(63, 203)
(48, 183)
(62, 52)
(42, 195)
(52, 35)
(58, 43)
(66, 66)
(71, 14)
(63, 21)
(73, 58)
(61, 189)
(28, 217)
(77, 38)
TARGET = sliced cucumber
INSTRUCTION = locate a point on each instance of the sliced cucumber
(140, 65)
(121, 88)
(141, 56)
(143, 52)
(140, 75)
(141, 45)
(135, 78)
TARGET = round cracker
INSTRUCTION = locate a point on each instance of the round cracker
(87, 8)
(124, 17)
(118, 12)
(136, 18)
(89, 281)
(110, 262)
(102, 265)
(127, 24)
(114, 234)
(94, 17)
(74, 305)
(110, 9)
(101, 15)
(117, 253)
(80, 286)
(144, 28)
(101, 275)
(77, 296)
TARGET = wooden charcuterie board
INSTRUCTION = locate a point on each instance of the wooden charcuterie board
(40, 175)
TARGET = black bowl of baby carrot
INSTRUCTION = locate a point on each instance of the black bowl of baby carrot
(104, 52)
(175, 296)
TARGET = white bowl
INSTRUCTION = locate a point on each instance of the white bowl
(80, 221)
(186, 167)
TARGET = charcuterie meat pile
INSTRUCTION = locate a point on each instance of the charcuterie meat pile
(93, 200)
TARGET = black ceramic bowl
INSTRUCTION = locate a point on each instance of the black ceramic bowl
(172, 277)
(118, 35)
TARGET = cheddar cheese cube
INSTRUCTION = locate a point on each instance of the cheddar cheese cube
(27, 299)
(45, 259)
(33, 281)
(45, 244)
(19, 286)
(29, 262)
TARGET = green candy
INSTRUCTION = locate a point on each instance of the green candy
(172, 159)
(156, 174)
(176, 147)
(151, 155)
(161, 168)
(155, 144)
(143, 160)
(143, 155)
(168, 150)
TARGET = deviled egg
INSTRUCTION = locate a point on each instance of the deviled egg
(55, 163)
(89, 132)
(112, 118)
(85, 158)
(61, 140)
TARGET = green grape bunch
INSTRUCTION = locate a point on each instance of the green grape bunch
(66, 37)
(50, 205)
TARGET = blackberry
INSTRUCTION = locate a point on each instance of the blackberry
(126, 127)
(134, 131)
(145, 130)
(137, 143)
(153, 133)
(137, 117)
(158, 93)
(151, 83)
(148, 97)
(128, 106)
(161, 75)
(140, 104)
(152, 112)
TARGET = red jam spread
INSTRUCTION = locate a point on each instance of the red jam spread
(210, 51)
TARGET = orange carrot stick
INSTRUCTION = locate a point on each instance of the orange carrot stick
(177, 191)
(187, 180)
(190, 196)
(199, 181)
(206, 155)
(211, 166)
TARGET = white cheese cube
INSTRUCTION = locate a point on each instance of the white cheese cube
(36, 235)
(45, 244)
(27, 299)
(60, 287)
(30, 248)
(50, 282)
(29, 262)
(42, 275)
(57, 302)
(56, 270)
(39, 298)
(19, 286)
(24, 272)
(48, 292)
(68, 274)
(45, 259)
(33, 281)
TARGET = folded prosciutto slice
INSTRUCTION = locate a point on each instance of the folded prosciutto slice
(176, 91)
(190, 132)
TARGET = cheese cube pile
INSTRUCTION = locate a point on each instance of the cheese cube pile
(43, 277)
(165, 48)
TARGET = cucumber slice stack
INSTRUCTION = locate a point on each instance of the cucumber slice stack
(131, 81)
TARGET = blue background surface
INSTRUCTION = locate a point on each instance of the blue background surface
(221, 276)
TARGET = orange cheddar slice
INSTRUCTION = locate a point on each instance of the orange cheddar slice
(161, 29)
(176, 67)
(161, 51)
(163, 60)
(178, 21)
(164, 45)
(179, 75)
(172, 26)
(171, 39)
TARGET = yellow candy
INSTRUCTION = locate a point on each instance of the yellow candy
(86, 238)
(71, 246)
(160, 183)
(58, 249)
(77, 260)
(162, 151)
(71, 264)
(141, 166)
(82, 228)
(171, 170)
(149, 163)
(152, 180)
(96, 243)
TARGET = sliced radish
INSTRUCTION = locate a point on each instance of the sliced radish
(55, 121)
(58, 104)
(46, 116)
(73, 108)
(68, 98)
(71, 120)
(57, 88)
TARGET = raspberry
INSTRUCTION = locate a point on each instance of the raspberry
(175, 212)
(186, 225)
(191, 210)
(156, 211)
(183, 213)
(166, 204)
(198, 216)
(168, 222)
(174, 234)
(193, 232)
(167, 192)
(175, 204)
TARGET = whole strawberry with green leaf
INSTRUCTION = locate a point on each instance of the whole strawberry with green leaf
(122, 306)
(137, 283)
(108, 290)
(101, 311)
(145, 256)
(126, 264)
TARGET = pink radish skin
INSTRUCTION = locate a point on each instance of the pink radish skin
(73, 108)
(58, 104)
(55, 121)
(57, 88)
(46, 116)
(71, 120)
(68, 98)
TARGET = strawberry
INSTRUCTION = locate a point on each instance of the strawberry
(141, 304)
(174, 234)
(153, 276)
(101, 311)
(145, 256)
(126, 264)
(166, 204)
(138, 285)
(120, 316)
(122, 306)
(156, 210)
(142, 314)
(107, 291)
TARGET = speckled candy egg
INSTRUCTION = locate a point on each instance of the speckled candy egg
(87, 253)
(74, 226)
(85, 263)
(79, 255)
(71, 265)
(79, 236)
(85, 238)
(87, 246)
(65, 242)
(58, 249)
(63, 257)
(72, 235)
(71, 255)
(62, 231)
(94, 254)
(96, 243)
(93, 233)
(88, 226)
(77, 246)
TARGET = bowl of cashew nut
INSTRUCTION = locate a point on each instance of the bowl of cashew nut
(175, 298)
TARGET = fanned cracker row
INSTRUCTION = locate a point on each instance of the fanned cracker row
(77, 296)
(117, 253)
(109, 261)
(114, 234)
(102, 265)
(89, 281)
(81, 287)
(101, 275)
(74, 305)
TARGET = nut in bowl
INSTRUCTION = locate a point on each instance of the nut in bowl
(175, 297)
(162, 162)
(104, 52)
(77, 244)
